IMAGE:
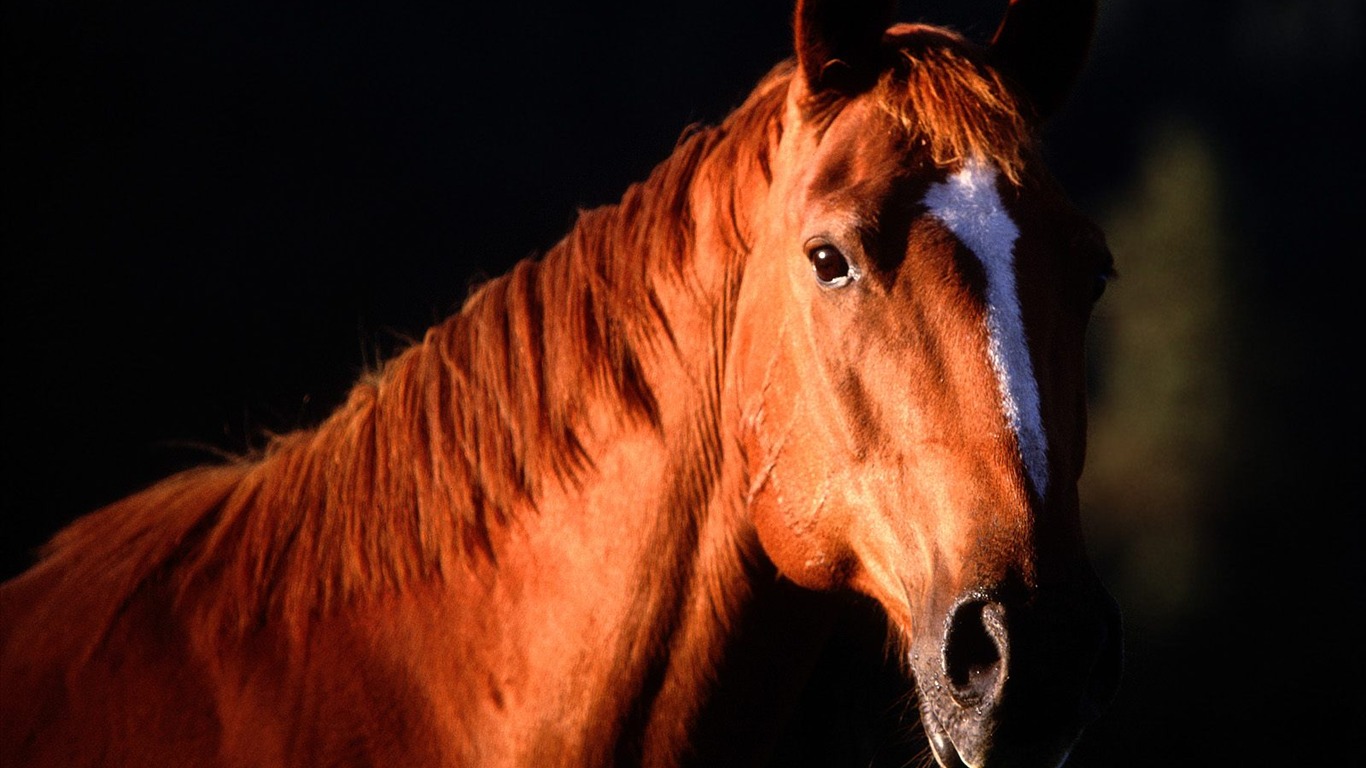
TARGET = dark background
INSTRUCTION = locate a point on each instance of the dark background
(217, 214)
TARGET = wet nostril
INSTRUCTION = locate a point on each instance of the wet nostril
(975, 652)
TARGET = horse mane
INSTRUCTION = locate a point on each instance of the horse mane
(407, 479)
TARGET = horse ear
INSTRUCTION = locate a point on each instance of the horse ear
(1042, 44)
(838, 41)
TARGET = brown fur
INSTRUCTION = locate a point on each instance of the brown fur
(945, 95)
(422, 486)
(405, 478)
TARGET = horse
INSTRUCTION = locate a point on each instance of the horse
(829, 352)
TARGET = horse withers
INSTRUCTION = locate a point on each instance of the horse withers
(603, 514)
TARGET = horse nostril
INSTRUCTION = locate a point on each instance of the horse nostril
(976, 652)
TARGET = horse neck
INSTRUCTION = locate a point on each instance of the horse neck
(567, 427)
(617, 340)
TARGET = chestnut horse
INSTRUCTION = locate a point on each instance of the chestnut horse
(833, 346)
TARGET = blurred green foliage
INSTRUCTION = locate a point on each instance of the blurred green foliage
(1161, 413)
(1219, 145)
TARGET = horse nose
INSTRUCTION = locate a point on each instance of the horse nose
(1017, 680)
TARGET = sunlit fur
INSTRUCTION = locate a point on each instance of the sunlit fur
(457, 432)
(163, 621)
(950, 101)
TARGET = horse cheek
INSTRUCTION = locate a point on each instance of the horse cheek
(795, 512)
(796, 539)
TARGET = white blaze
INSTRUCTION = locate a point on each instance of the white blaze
(969, 205)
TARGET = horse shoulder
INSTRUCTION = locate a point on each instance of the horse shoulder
(135, 696)
(375, 681)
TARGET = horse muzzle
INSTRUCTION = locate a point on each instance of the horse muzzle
(1011, 683)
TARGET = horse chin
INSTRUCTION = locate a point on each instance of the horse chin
(958, 742)
(945, 753)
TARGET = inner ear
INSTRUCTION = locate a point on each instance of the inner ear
(838, 42)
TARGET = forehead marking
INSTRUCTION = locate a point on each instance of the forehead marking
(969, 205)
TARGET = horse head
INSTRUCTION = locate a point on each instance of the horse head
(909, 366)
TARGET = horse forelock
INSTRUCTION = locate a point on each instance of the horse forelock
(942, 90)
(948, 98)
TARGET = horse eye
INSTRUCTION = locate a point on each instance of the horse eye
(1098, 284)
(832, 269)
